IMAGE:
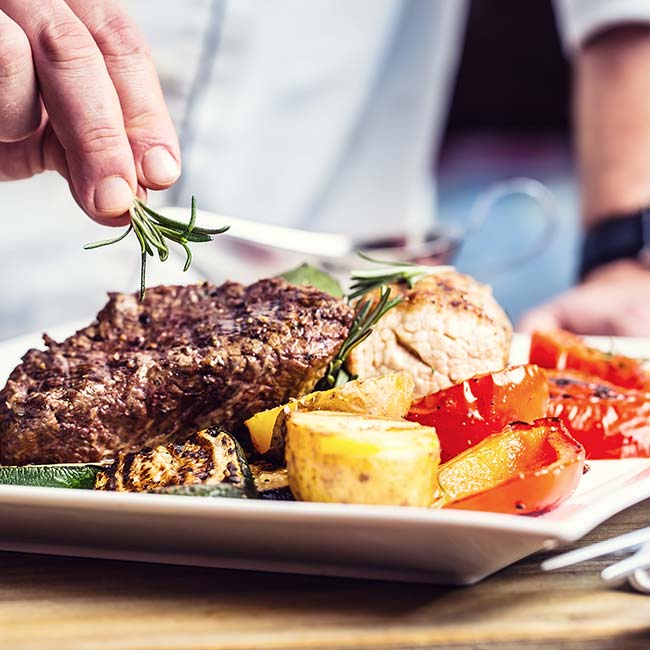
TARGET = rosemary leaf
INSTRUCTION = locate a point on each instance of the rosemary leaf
(176, 236)
(192, 223)
(367, 315)
(179, 225)
(108, 242)
(188, 260)
(153, 231)
(143, 275)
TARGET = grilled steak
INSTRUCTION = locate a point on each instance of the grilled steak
(182, 360)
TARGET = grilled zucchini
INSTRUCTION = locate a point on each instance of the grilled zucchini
(208, 463)
(205, 490)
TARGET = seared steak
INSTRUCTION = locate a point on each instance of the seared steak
(182, 360)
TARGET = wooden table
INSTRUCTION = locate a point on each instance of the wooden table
(51, 603)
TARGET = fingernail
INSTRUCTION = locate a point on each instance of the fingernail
(113, 194)
(159, 166)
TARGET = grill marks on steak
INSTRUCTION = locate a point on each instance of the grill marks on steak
(182, 360)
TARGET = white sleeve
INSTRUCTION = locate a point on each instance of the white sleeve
(578, 20)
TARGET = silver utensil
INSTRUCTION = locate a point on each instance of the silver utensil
(634, 568)
(265, 234)
(436, 244)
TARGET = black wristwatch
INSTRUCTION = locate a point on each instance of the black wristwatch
(617, 238)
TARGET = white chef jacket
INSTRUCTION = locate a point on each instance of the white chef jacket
(323, 114)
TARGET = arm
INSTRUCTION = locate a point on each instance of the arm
(612, 138)
(612, 122)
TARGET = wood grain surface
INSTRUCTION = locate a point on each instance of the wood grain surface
(70, 604)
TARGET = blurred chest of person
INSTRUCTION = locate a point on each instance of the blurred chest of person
(321, 114)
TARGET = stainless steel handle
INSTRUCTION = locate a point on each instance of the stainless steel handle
(289, 239)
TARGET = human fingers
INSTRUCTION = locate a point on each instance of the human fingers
(129, 64)
(540, 318)
(39, 152)
(54, 159)
(82, 103)
(20, 106)
(580, 309)
(605, 308)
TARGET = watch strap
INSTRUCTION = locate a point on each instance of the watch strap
(616, 238)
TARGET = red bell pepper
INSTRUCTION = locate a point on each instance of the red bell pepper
(524, 469)
(466, 413)
(566, 351)
(609, 421)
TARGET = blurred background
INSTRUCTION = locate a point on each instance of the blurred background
(508, 117)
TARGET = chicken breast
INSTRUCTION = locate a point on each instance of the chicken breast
(448, 328)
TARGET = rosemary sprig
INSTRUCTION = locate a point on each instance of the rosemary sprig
(367, 314)
(153, 229)
(368, 311)
(364, 281)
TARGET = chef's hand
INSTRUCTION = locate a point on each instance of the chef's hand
(79, 94)
(614, 300)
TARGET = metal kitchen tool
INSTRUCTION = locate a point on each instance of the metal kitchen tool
(436, 245)
(634, 568)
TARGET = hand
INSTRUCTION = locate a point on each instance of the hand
(614, 300)
(79, 94)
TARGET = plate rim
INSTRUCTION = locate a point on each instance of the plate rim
(585, 520)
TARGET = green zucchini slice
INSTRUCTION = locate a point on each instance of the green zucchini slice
(206, 490)
(80, 477)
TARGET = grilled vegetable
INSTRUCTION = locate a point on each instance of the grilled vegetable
(348, 458)
(277, 494)
(81, 476)
(466, 413)
(387, 395)
(610, 421)
(206, 490)
(526, 468)
(271, 483)
(211, 459)
(566, 351)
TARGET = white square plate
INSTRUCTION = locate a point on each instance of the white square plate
(414, 544)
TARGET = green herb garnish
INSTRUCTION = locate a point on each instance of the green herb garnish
(364, 281)
(367, 313)
(306, 275)
(153, 230)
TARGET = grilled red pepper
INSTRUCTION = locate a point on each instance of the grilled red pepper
(466, 413)
(610, 421)
(566, 351)
(524, 469)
